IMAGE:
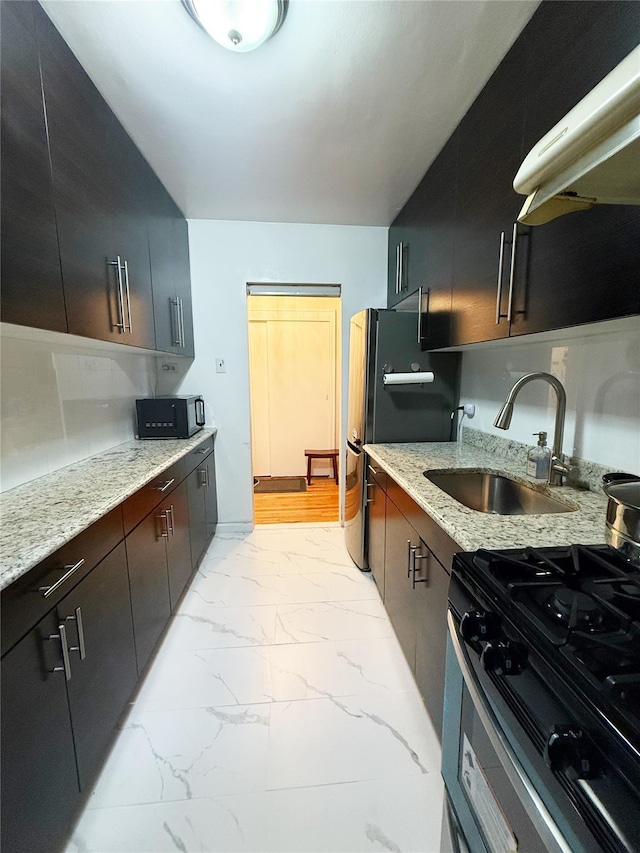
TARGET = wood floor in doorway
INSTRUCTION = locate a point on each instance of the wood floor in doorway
(318, 503)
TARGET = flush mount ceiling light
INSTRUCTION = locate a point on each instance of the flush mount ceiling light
(239, 25)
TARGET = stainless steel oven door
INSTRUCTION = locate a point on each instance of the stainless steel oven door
(494, 799)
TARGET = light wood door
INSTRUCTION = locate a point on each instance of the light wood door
(293, 364)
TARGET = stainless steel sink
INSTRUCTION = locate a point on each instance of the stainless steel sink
(494, 493)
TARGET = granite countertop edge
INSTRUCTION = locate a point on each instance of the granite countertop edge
(69, 500)
(472, 529)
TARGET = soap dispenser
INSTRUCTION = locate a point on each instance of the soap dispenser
(539, 458)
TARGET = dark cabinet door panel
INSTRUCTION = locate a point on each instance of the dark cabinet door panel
(99, 182)
(431, 636)
(149, 582)
(162, 256)
(398, 598)
(196, 492)
(32, 293)
(581, 268)
(40, 781)
(130, 179)
(178, 543)
(490, 152)
(103, 661)
(429, 234)
(85, 184)
(169, 252)
(395, 281)
(183, 282)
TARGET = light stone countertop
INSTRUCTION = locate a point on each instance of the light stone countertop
(472, 529)
(39, 517)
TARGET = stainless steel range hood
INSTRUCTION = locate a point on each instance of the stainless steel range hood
(590, 157)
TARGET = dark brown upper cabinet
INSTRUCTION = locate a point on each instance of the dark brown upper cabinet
(84, 217)
(510, 279)
(32, 293)
(489, 154)
(100, 203)
(429, 236)
(583, 267)
(169, 249)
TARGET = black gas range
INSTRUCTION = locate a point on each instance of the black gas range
(549, 641)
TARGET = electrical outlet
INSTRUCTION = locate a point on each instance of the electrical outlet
(169, 368)
(220, 366)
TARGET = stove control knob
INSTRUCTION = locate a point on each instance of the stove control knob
(568, 750)
(479, 627)
(504, 657)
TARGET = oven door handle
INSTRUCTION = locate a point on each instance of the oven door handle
(538, 813)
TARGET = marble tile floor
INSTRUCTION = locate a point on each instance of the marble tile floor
(278, 715)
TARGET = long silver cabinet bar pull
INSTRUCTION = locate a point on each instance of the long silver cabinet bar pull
(181, 321)
(164, 532)
(81, 646)
(66, 664)
(203, 476)
(166, 485)
(373, 470)
(397, 268)
(122, 324)
(500, 266)
(207, 473)
(69, 570)
(414, 569)
(173, 321)
(401, 267)
(174, 317)
(420, 315)
(170, 519)
(411, 549)
(128, 292)
(512, 271)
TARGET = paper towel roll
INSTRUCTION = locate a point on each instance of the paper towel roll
(408, 378)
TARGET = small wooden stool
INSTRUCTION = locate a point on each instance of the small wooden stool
(322, 454)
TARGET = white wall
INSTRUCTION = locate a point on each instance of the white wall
(601, 375)
(225, 256)
(63, 400)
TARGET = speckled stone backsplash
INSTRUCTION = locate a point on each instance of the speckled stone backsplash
(587, 474)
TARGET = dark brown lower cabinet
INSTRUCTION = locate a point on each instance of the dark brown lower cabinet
(178, 544)
(416, 585)
(431, 635)
(149, 582)
(97, 615)
(59, 712)
(40, 783)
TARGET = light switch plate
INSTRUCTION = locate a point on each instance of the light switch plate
(220, 366)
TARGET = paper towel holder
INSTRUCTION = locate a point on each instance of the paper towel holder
(413, 377)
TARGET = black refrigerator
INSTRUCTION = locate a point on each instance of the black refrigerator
(383, 341)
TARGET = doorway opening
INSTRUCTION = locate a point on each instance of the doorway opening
(294, 370)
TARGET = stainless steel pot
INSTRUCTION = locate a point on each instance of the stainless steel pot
(623, 513)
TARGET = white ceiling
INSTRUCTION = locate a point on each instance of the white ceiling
(334, 120)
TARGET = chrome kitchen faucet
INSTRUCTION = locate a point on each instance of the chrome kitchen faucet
(558, 467)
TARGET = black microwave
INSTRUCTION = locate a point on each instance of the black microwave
(169, 417)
